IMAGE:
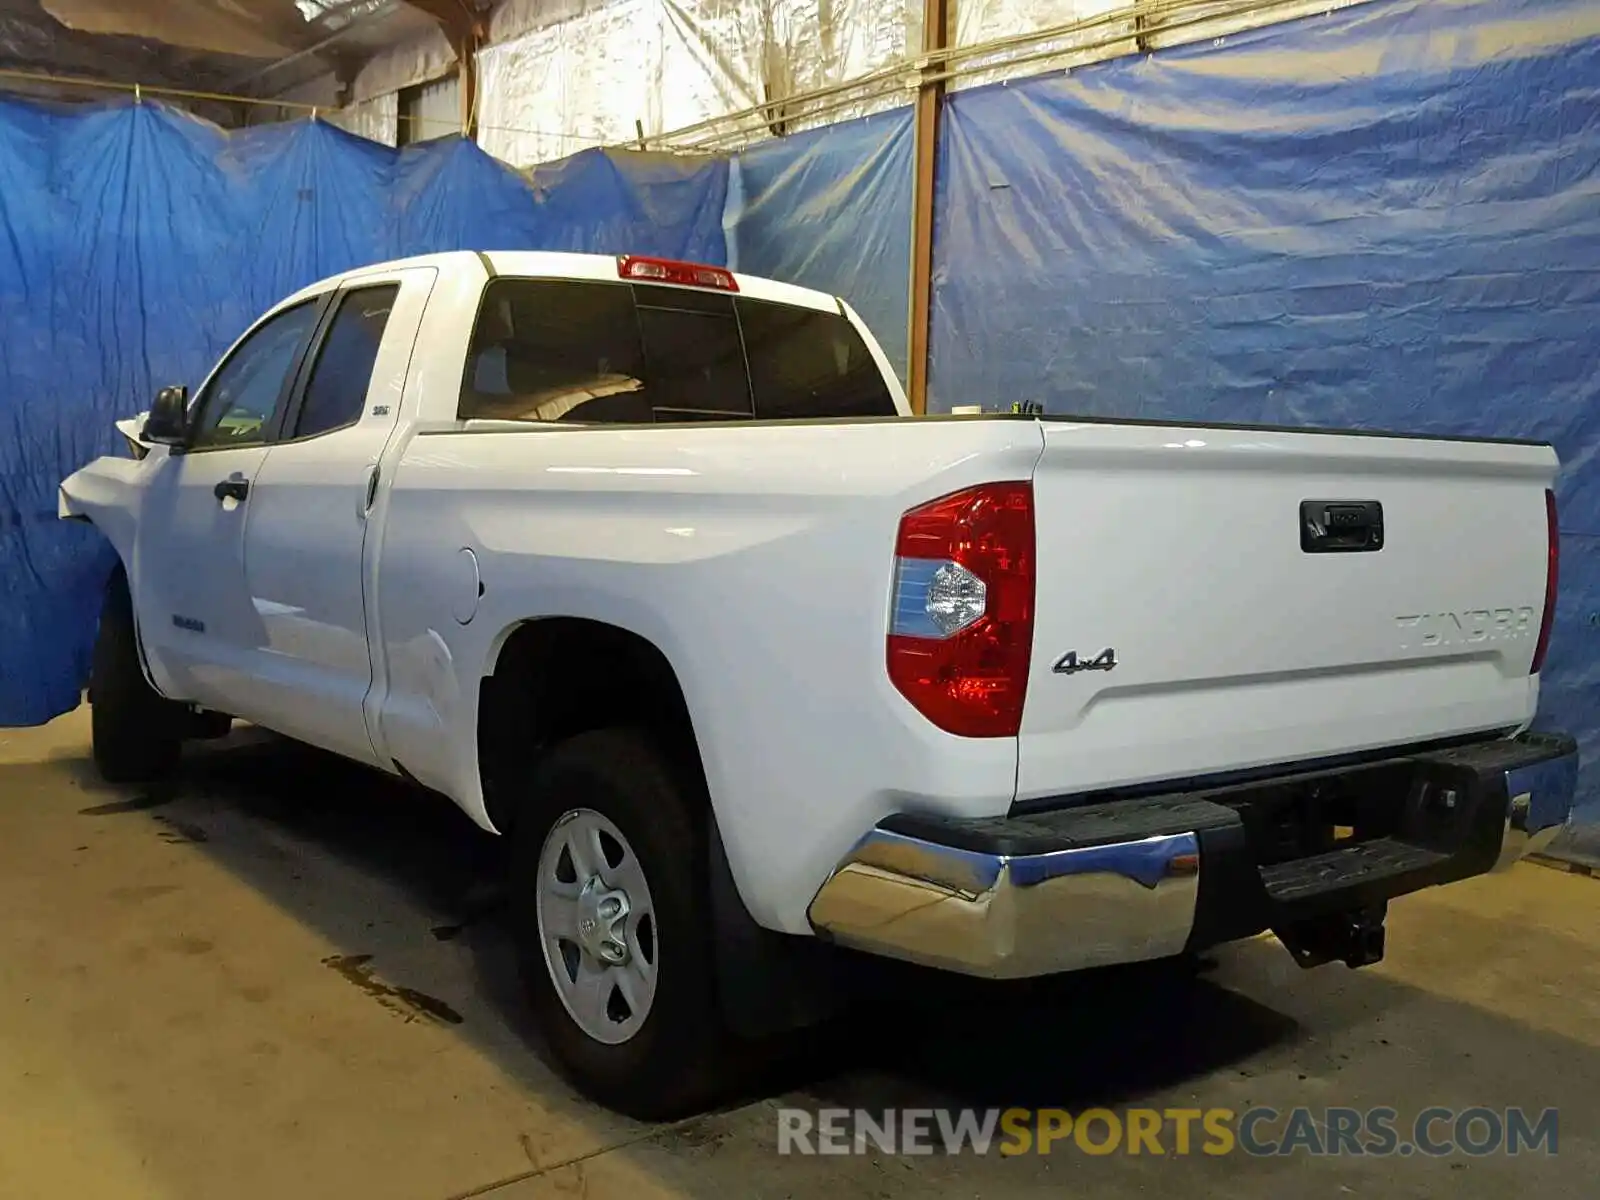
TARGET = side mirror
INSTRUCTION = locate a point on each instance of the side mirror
(168, 419)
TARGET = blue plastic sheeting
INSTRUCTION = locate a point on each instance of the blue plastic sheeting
(831, 209)
(654, 204)
(450, 195)
(1579, 842)
(136, 244)
(1385, 218)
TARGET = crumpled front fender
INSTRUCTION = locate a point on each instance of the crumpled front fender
(106, 493)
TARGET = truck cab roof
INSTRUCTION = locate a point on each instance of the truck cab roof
(554, 264)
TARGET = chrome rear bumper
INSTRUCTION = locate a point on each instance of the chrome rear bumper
(1062, 891)
(1002, 917)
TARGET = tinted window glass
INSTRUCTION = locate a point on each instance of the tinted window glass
(553, 350)
(241, 398)
(337, 391)
(614, 353)
(805, 363)
(693, 358)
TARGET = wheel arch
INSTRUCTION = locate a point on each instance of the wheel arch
(119, 586)
(106, 495)
(766, 982)
(550, 678)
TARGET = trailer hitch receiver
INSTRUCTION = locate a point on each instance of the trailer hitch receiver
(1354, 937)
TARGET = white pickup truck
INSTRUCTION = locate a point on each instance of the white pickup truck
(648, 566)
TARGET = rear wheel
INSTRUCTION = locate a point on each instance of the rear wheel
(137, 734)
(614, 929)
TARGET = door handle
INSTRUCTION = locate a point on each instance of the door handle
(1341, 526)
(369, 493)
(232, 489)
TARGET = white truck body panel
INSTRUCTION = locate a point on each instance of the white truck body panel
(1179, 549)
(758, 558)
(719, 550)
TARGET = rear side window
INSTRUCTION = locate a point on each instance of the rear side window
(337, 391)
(618, 353)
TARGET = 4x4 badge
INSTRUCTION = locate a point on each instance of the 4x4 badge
(1070, 664)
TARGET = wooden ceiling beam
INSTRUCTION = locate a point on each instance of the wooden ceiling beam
(458, 18)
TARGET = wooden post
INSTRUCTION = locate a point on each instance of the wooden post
(465, 26)
(467, 63)
(930, 98)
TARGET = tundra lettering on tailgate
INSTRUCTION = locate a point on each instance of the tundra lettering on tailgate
(1465, 627)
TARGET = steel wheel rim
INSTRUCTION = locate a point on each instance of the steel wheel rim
(597, 926)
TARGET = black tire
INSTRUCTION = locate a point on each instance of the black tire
(676, 1064)
(137, 733)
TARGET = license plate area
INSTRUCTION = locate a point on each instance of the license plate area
(1299, 817)
(1438, 806)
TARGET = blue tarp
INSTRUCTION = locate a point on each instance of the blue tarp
(1384, 218)
(136, 243)
(831, 209)
(1388, 217)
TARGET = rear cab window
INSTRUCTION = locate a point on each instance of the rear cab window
(596, 352)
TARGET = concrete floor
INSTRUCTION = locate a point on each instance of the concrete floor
(286, 978)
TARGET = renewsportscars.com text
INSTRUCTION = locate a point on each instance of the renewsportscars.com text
(1259, 1132)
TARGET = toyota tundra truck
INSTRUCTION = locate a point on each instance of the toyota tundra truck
(648, 566)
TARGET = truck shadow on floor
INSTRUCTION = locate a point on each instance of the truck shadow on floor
(414, 896)
(1094, 1039)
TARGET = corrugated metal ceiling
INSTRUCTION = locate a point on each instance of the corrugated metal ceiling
(199, 44)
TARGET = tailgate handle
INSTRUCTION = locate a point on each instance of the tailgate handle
(1340, 526)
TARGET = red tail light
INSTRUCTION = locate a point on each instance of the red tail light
(1551, 578)
(961, 627)
(666, 270)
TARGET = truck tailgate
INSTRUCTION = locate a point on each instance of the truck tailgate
(1238, 640)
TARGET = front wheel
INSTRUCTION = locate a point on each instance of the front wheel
(137, 733)
(614, 928)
